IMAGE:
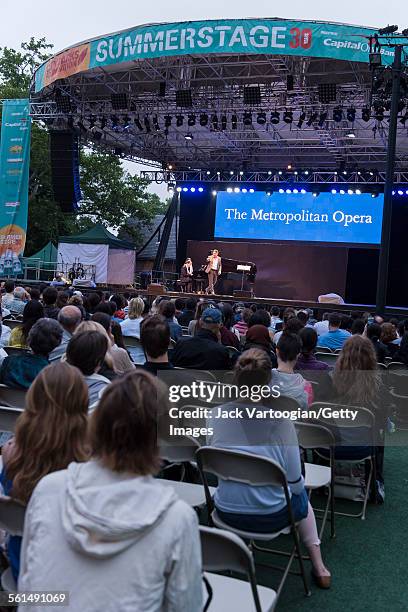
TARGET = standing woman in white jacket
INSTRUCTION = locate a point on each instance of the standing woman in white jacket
(107, 531)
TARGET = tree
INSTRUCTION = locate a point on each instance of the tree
(111, 195)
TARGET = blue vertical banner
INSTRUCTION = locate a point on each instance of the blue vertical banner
(14, 177)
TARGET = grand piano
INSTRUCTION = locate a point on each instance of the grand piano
(230, 280)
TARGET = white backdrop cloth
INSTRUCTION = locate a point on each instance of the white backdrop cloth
(88, 254)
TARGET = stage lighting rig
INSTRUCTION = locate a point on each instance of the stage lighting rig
(338, 114)
(313, 117)
(191, 120)
(302, 119)
(167, 121)
(119, 101)
(224, 122)
(204, 119)
(115, 121)
(261, 118)
(156, 124)
(247, 119)
(366, 114)
(179, 121)
(275, 118)
(147, 124)
(323, 118)
(390, 29)
(104, 123)
(252, 95)
(126, 121)
(351, 114)
(214, 121)
(188, 136)
(288, 116)
(234, 122)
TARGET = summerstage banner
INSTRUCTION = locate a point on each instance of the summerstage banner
(14, 175)
(229, 36)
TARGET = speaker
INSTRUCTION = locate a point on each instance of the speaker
(64, 151)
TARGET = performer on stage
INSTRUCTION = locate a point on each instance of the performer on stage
(186, 276)
(213, 270)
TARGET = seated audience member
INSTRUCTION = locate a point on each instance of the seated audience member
(121, 361)
(87, 351)
(228, 337)
(119, 313)
(373, 332)
(3, 353)
(335, 337)
(346, 323)
(241, 325)
(77, 300)
(131, 325)
(194, 325)
(35, 294)
(303, 317)
(260, 317)
(50, 434)
(179, 304)
(107, 369)
(17, 304)
(204, 350)
(322, 327)
(92, 301)
(395, 326)
(307, 359)
(107, 529)
(155, 337)
(293, 325)
(264, 509)
(8, 297)
(389, 339)
(167, 309)
(108, 308)
(32, 312)
(19, 371)
(402, 353)
(258, 337)
(69, 317)
(51, 310)
(357, 382)
(275, 317)
(291, 383)
(62, 299)
(358, 327)
(187, 314)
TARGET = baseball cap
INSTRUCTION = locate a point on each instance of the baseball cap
(211, 315)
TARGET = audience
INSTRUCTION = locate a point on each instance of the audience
(389, 339)
(358, 327)
(8, 296)
(307, 359)
(293, 325)
(129, 542)
(194, 324)
(17, 304)
(241, 326)
(155, 338)
(203, 351)
(32, 312)
(187, 314)
(275, 317)
(264, 509)
(19, 371)
(167, 309)
(228, 337)
(291, 383)
(87, 351)
(373, 332)
(69, 317)
(50, 295)
(120, 357)
(119, 302)
(322, 327)
(131, 325)
(49, 435)
(335, 337)
(62, 299)
(258, 337)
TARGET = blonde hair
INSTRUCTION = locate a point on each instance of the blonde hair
(87, 326)
(136, 308)
(52, 430)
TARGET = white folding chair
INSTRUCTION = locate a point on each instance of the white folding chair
(256, 471)
(329, 358)
(225, 551)
(12, 515)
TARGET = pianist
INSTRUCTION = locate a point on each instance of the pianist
(186, 276)
(213, 270)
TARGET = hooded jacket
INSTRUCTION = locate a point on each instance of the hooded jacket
(116, 542)
(293, 385)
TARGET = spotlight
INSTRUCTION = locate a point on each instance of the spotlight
(188, 136)
(302, 119)
(252, 191)
(303, 191)
(237, 190)
(379, 113)
(192, 189)
(214, 193)
(351, 114)
(334, 191)
(350, 191)
(244, 190)
(261, 118)
(191, 120)
(234, 122)
(247, 119)
(365, 114)
(92, 121)
(229, 189)
(390, 29)
(323, 118)
(296, 191)
(275, 118)
(288, 191)
(200, 189)
(400, 192)
(126, 121)
(156, 124)
(338, 114)
(358, 191)
(203, 119)
(288, 117)
(179, 121)
(351, 135)
(312, 119)
(115, 121)
(342, 192)
(178, 189)
(167, 121)
(281, 191)
(214, 121)
(289, 167)
(224, 122)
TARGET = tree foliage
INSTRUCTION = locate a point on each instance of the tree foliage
(111, 195)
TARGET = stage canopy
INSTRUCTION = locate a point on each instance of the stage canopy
(227, 95)
(45, 259)
(114, 259)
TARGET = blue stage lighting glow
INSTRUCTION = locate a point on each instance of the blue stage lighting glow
(244, 190)
(400, 192)
(334, 191)
(342, 191)
(185, 189)
(200, 189)
(288, 191)
(296, 191)
(229, 190)
(192, 189)
(252, 191)
(237, 190)
(281, 191)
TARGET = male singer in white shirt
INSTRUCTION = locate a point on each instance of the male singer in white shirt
(213, 270)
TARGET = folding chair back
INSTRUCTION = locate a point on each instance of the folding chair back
(329, 358)
(132, 341)
(12, 323)
(12, 514)
(14, 350)
(178, 449)
(396, 365)
(364, 418)
(12, 397)
(324, 349)
(311, 435)
(8, 417)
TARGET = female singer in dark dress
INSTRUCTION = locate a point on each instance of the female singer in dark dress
(186, 277)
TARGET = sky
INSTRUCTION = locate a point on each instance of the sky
(66, 23)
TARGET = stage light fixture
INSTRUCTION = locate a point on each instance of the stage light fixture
(179, 121)
(404, 119)
(400, 192)
(241, 173)
(366, 114)
(281, 191)
(302, 119)
(229, 189)
(288, 117)
(351, 114)
(296, 191)
(97, 135)
(204, 119)
(179, 189)
(138, 123)
(334, 191)
(214, 193)
(351, 135)
(191, 120)
(261, 118)
(92, 121)
(244, 190)
(234, 122)
(350, 191)
(224, 122)
(358, 192)
(200, 189)
(167, 121)
(342, 192)
(247, 120)
(288, 191)
(289, 167)
(313, 117)
(268, 193)
(192, 189)
(307, 172)
(390, 29)
(185, 189)
(208, 173)
(62, 102)
(147, 124)
(338, 114)
(322, 118)
(126, 121)
(379, 113)
(214, 121)
(315, 194)
(237, 190)
(252, 191)
(303, 191)
(188, 136)
(275, 118)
